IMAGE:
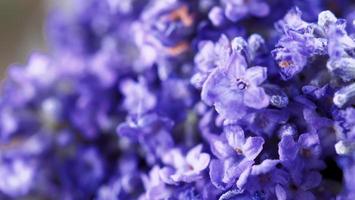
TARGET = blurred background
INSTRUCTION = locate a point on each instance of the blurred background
(22, 29)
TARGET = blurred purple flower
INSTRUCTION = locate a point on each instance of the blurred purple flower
(184, 169)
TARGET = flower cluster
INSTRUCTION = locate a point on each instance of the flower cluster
(182, 99)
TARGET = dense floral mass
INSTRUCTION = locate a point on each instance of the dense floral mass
(185, 99)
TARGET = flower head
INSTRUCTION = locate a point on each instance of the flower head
(184, 169)
(234, 88)
(235, 154)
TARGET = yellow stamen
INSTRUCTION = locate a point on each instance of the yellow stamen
(178, 49)
(14, 143)
(182, 14)
(239, 151)
(285, 64)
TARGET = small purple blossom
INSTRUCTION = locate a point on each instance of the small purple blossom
(154, 185)
(235, 154)
(138, 99)
(301, 154)
(184, 169)
(298, 43)
(210, 56)
(233, 89)
(17, 176)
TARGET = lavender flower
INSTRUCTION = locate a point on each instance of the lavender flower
(209, 57)
(137, 97)
(163, 30)
(297, 45)
(18, 176)
(340, 48)
(184, 169)
(233, 89)
(300, 155)
(236, 155)
(152, 100)
(154, 185)
(267, 179)
(151, 131)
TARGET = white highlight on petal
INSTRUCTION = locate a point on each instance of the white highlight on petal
(341, 148)
(343, 95)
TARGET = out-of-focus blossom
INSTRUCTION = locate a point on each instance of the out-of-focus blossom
(184, 169)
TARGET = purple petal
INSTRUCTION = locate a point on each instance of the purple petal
(198, 79)
(221, 149)
(316, 122)
(253, 147)
(259, 9)
(255, 97)
(216, 174)
(231, 107)
(174, 158)
(187, 177)
(165, 175)
(243, 178)
(216, 86)
(216, 15)
(280, 192)
(235, 136)
(292, 20)
(308, 140)
(154, 177)
(237, 66)
(235, 13)
(203, 161)
(256, 75)
(138, 99)
(193, 154)
(126, 130)
(199, 161)
(206, 57)
(234, 169)
(158, 192)
(280, 176)
(266, 166)
(312, 180)
(288, 148)
(223, 50)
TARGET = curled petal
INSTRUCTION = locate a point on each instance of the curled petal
(235, 136)
(165, 175)
(256, 75)
(235, 169)
(266, 166)
(199, 161)
(288, 148)
(255, 97)
(231, 107)
(243, 178)
(217, 173)
(253, 147)
(221, 149)
(280, 192)
(215, 87)
(194, 153)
